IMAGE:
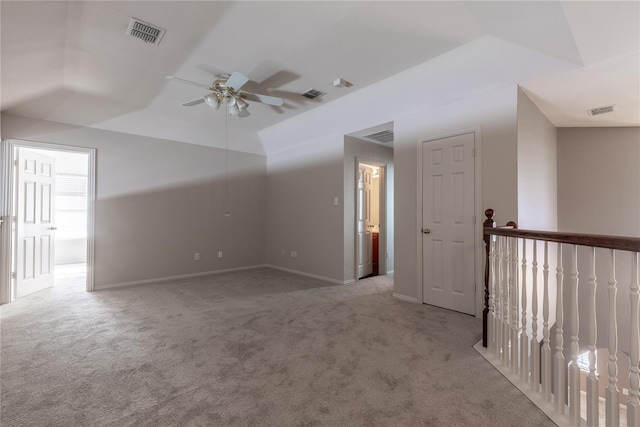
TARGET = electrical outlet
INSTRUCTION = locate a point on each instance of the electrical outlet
(294, 254)
(196, 256)
(219, 254)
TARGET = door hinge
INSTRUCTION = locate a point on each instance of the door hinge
(473, 151)
(14, 275)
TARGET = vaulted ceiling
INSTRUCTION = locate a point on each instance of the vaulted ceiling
(72, 62)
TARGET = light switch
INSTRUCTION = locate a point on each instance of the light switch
(335, 201)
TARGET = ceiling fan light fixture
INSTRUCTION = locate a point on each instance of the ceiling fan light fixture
(233, 109)
(226, 90)
(210, 100)
(230, 100)
(241, 103)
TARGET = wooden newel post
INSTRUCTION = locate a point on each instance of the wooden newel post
(488, 223)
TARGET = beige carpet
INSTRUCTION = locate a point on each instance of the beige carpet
(252, 348)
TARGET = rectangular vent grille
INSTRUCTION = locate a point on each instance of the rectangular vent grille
(384, 136)
(602, 110)
(312, 93)
(144, 31)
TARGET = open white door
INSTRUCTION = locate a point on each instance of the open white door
(363, 222)
(448, 239)
(35, 226)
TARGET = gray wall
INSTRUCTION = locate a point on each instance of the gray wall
(537, 168)
(599, 180)
(160, 201)
(301, 216)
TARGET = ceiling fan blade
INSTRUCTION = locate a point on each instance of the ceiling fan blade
(188, 82)
(236, 81)
(194, 102)
(265, 99)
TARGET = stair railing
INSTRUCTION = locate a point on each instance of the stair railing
(542, 363)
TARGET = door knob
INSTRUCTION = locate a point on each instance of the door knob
(426, 230)
(53, 228)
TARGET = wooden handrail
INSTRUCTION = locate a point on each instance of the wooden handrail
(622, 243)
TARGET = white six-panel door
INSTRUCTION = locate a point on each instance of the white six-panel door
(35, 226)
(448, 239)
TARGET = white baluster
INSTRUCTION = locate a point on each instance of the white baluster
(560, 367)
(574, 369)
(535, 344)
(498, 299)
(524, 339)
(492, 296)
(501, 308)
(546, 344)
(506, 293)
(498, 279)
(593, 400)
(513, 286)
(633, 405)
(611, 395)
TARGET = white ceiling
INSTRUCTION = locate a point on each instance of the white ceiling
(71, 62)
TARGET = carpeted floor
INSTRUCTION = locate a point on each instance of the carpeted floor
(252, 348)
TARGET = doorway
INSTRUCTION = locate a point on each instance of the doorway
(50, 198)
(370, 236)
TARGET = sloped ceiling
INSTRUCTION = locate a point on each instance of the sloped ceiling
(71, 62)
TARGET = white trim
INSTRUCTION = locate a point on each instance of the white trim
(91, 219)
(5, 227)
(313, 276)
(405, 298)
(479, 250)
(8, 201)
(178, 277)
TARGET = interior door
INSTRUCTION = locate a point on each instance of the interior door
(35, 229)
(363, 222)
(448, 238)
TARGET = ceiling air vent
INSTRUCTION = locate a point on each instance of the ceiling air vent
(385, 136)
(312, 93)
(602, 110)
(144, 31)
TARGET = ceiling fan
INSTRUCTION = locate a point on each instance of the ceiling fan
(226, 90)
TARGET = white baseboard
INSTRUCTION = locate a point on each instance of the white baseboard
(313, 276)
(405, 298)
(179, 277)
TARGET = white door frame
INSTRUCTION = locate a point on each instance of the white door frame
(382, 206)
(7, 200)
(478, 212)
